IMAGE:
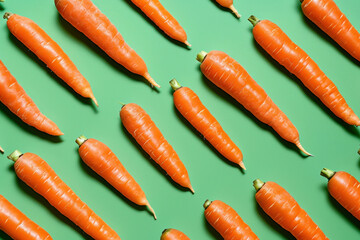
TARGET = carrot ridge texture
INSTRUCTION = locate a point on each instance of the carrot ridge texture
(18, 226)
(154, 10)
(48, 51)
(231, 77)
(89, 20)
(227, 222)
(271, 38)
(173, 234)
(189, 105)
(329, 18)
(13, 96)
(104, 162)
(139, 124)
(229, 4)
(38, 175)
(284, 210)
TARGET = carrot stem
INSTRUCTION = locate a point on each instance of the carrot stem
(258, 184)
(1, 150)
(207, 204)
(175, 84)
(80, 140)
(2, 0)
(201, 56)
(254, 20)
(166, 230)
(327, 173)
(7, 15)
(15, 155)
(233, 9)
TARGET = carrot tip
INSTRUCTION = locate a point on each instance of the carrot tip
(233, 9)
(187, 44)
(151, 210)
(242, 165)
(303, 150)
(151, 80)
(95, 101)
(1, 150)
(192, 190)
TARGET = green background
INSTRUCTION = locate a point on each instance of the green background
(266, 156)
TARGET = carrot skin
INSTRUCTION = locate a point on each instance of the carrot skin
(38, 175)
(229, 4)
(139, 124)
(173, 234)
(17, 225)
(329, 18)
(48, 51)
(13, 96)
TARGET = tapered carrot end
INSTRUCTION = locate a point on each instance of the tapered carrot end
(192, 190)
(303, 150)
(151, 80)
(327, 173)
(233, 9)
(14, 156)
(242, 165)
(95, 101)
(187, 44)
(1, 150)
(151, 210)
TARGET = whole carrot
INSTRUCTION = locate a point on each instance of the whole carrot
(229, 4)
(18, 226)
(227, 222)
(48, 51)
(89, 20)
(270, 37)
(284, 210)
(154, 10)
(190, 106)
(139, 124)
(329, 18)
(345, 189)
(173, 234)
(231, 77)
(38, 175)
(13, 96)
(104, 162)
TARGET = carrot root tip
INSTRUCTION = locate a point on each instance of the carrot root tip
(233, 9)
(201, 56)
(192, 190)
(303, 149)
(187, 44)
(242, 165)
(95, 101)
(151, 80)
(151, 210)
(14, 156)
(258, 184)
(327, 173)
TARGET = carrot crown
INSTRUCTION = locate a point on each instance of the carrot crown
(15, 155)
(254, 20)
(175, 84)
(80, 140)
(201, 56)
(7, 15)
(207, 204)
(327, 173)
(166, 231)
(258, 184)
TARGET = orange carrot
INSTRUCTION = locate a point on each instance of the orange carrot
(104, 162)
(231, 77)
(227, 222)
(13, 96)
(37, 40)
(139, 124)
(18, 226)
(173, 234)
(345, 189)
(154, 10)
(229, 4)
(329, 18)
(89, 20)
(295, 60)
(283, 209)
(190, 106)
(38, 175)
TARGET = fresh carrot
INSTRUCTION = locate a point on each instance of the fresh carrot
(154, 10)
(48, 51)
(104, 162)
(190, 106)
(284, 210)
(329, 18)
(89, 20)
(13, 96)
(270, 37)
(139, 124)
(38, 175)
(345, 189)
(18, 226)
(231, 77)
(229, 4)
(173, 234)
(227, 222)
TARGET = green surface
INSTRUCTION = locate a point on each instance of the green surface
(266, 156)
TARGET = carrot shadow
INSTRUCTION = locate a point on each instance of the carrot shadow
(348, 128)
(212, 231)
(79, 37)
(34, 58)
(138, 10)
(225, 9)
(3, 235)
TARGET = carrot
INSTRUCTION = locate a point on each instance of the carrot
(139, 124)
(154, 10)
(18, 226)
(48, 51)
(227, 222)
(13, 96)
(345, 189)
(329, 18)
(231, 77)
(104, 162)
(190, 106)
(229, 4)
(173, 234)
(89, 20)
(38, 175)
(284, 210)
(270, 37)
